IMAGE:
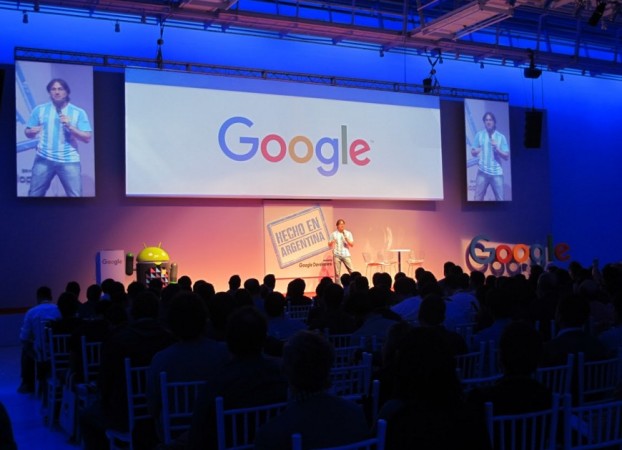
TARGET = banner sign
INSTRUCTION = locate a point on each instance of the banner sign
(299, 236)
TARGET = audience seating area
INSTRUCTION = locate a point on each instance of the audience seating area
(586, 409)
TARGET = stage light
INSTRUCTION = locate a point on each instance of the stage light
(598, 14)
(532, 71)
(25, 17)
(117, 27)
(427, 85)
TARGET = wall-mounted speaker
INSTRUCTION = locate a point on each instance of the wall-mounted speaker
(533, 129)
(1, 86)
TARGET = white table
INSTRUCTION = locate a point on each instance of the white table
(399, 252)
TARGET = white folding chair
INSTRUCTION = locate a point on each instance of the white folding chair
(472, 364)
(236, 427)
(298, 312)
(59, 367)
(598, 380)
(374, 443)
(346, 349)
(593, 426)
(178, 398)
(354, 383)
(528, 431)
(136, 388)
(557, 378)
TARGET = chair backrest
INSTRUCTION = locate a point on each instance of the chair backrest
(42, 341)
(236, 427)
(346, 349)
(374, 443)
(368, 258)
(594, 426)
(59, 354)
(178, 398)
(598, 380)
(91, 360)
(468, 384)
(355, 383)
(299, 312)
(466, 331)
(528, 431)
(557, 378)
(136, 388)
(472, 364)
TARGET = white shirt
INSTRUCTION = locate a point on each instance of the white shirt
(341, 247)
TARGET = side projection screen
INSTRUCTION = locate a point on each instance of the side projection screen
(488, 155)
(190, 135)
(54, 129)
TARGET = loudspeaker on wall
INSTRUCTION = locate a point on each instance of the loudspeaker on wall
(533, 129)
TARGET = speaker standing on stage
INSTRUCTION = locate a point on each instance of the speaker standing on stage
(340, 241)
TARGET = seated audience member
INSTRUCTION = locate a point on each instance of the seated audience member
(461, 304)
(345, 279)
(234, 284)
(432, 315)
(379, 317)
(219, 307)
(248, 379)
(268, 285)
(30, 337)
(323, 419)
(253, 288)
(68, 305)
(7, 442)
(386, 371)
(93, 295)
(427, 410)
(333, 319)
(279, 326)
(193, 357)
(296, 292)
(185, 283)
(612, 338)
(501, 304)
(139, 339)
(571, 316)
(517, 391)
(409, 299)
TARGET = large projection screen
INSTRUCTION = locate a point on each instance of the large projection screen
(55, 141)
(190, 135)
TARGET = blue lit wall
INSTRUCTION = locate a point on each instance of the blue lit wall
(577, 199)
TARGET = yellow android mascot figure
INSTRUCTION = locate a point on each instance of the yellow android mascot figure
(152, 263)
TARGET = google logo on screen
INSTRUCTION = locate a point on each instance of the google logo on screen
(328, 150)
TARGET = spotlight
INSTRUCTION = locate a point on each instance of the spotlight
(25, 17)
(427, 85)
(532, 71)
(598, 14)
(117, 27)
